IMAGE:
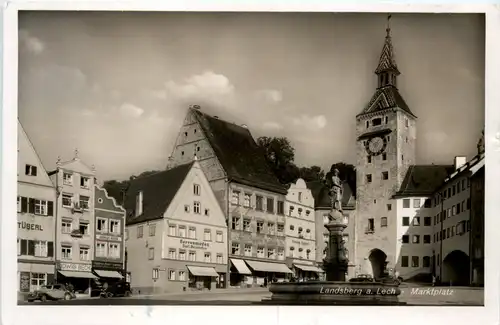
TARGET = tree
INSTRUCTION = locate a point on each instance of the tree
(280, 154)
(347, 173)
(313, 173)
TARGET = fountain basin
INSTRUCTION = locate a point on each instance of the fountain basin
(333, 293)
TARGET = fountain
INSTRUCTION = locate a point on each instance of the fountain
(335, 290)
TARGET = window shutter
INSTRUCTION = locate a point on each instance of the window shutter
(31, 247)
(50, 249)
(24, 204)
(31, 205)
(34, 170)
(50, 279)
(24, 247)
(27, 170)
(50, 208)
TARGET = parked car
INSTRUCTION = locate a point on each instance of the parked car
(117, 289)
(362, 278)
(51, 292)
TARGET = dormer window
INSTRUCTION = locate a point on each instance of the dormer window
(377, 121)
(68, 179)
(138, 204)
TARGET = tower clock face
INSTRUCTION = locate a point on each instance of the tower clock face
(375, 146)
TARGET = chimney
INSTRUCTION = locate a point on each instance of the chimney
(460, 161)
(244, 126)
(215, 116)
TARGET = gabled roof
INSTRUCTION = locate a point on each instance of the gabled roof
(385, 98)
(158, 191)
(423, 180)
(322, 198)
(243, 161)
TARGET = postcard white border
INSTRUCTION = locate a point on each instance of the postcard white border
(13, 314)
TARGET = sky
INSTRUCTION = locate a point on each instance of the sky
(117, 86)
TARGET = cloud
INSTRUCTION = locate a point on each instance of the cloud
(311, 122)
(33, 44)
(131, 110)
(205, 85)
(272, 126)
(270, 95)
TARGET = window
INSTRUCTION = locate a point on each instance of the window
(40, 248)
(196, 189)
(30, 170)
(426, 261)
(377, 121)
(300, 196)
(197, 207)
(369, 159)
(385, 175)
(192, 256)
(453, 210)
(384, 156)
(84, 202)
(406, 203)
(235, 224)
(100, 249)
(260, 227)
(406, 122)
(37, 281)
(414, 261)
(207, 235)
(386, 119)
(68, 179)
(270, 205)
(367, 124)
(371, 225)
(172, 230)
(67, 200)
(151, 253)
(84, 228)
(383, 222)
(182, 275)
(218, 237)
(427, 221)
(114, 227)
(453, 190)
(102, 225)
(171, 253)
(271, 253)
(207, 212)
(246, 225)
(281, 228)
(416, 239)
(271, 228)
(41, 207)
(300, 232)
(219, 259)
(182, 255)
(171, 275)
(416, 203)
(259, 203)
(406, 221)
(404, 261)
(207, 258)
(186, 208)
(66, 226)
(416, 221)
(427, 203)
(405, 239)
(235, 198)
(369, 178)
(292, 227)
(235, 249)
(114, 250)
(139, 232)
(192, 232)
(84, 254)
(389, 207)
(281, 207)
(281, 253)
(246, 201)
(156, 273)
(84, 182)
(248, 250)
(182, 231)
(427, 239)
(66, 253)
(326, 219)
(299, 210)
(260, 251)
(468, 204)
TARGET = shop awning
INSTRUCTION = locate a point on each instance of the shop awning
(241, 266)
(269, 267)
(309, 268)
(108, 274)
(202, 271)
(78, 274)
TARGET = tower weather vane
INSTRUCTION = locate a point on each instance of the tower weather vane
(388, 29)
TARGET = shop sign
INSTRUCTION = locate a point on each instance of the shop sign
(24, 285)
(106, 237)
(74, 267)
(194, 244)
(303, 262)
(102, 265)
(29, 226)
(300, 242)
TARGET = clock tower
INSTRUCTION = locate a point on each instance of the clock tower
(386, 134)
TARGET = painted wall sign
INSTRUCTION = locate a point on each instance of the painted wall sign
(74, 267)
(303, 262)
(106, 237)
(102, 265)
(300, 242)
(29, 226)
(194, 244)
(24, 279)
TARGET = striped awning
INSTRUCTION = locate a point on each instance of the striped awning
(78, 274)
(202, 271)
(269, 267)
(108, 274)
(241, 266)
(309, 268)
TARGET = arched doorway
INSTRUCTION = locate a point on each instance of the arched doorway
(456, 268)
(377, 260)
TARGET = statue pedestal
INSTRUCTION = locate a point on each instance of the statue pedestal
(335, 264)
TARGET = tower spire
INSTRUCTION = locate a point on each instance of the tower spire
(388, 29)
(387, 69)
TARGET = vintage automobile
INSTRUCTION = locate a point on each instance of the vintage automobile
(362, 278)
(116, 289)
(51, 292)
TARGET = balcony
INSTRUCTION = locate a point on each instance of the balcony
(76, 233)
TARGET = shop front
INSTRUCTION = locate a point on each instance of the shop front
(267, 272)
(34, 274)
(107, 273)
(240, 274)
(202, 277)
(77, 275)
(304, 270)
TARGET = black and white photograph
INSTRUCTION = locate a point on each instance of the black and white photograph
(257, 159)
